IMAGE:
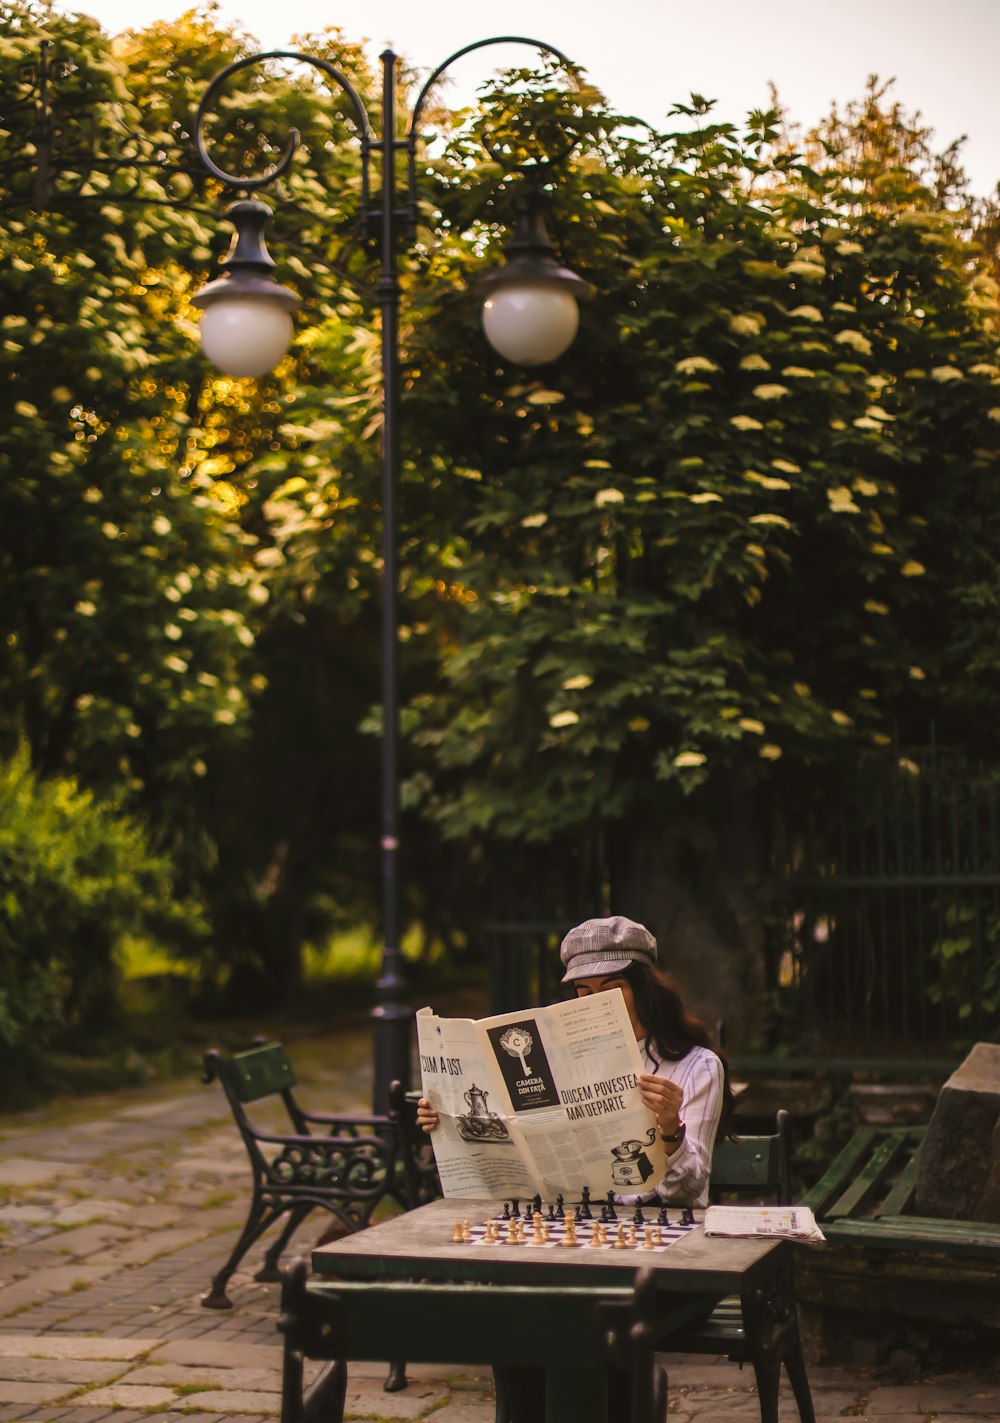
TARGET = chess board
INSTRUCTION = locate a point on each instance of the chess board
(650, 1236)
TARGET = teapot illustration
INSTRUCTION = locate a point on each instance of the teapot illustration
(479, 1123)
(632, 1166)
(476, 1099)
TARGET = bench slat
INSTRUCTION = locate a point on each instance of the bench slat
(900, 1198)
(838, 1174)
(261, 1071)
(908, 1232)
(869, 1177)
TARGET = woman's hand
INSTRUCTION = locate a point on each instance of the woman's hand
(427, 1116)
(663, 1098)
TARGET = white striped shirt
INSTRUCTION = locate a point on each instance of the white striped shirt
(700, 1077)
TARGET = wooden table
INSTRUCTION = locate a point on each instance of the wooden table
(404, 1289)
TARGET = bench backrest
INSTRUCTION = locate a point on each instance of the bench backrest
(757, 1167)
(259, 1072)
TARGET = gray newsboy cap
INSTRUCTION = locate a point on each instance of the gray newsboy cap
(601, 946)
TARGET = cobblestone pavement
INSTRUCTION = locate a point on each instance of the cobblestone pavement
(116, 1212)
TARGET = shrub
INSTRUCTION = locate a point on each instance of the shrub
(76, 875)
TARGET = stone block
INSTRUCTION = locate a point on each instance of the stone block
(224, 1402)
(126, 1395)
(956, 1158)
(72, 1346)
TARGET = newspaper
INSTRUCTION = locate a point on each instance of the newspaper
(793, 1222)
(541, 1102)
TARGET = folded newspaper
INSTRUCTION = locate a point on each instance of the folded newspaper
(541, 1102)
(793, 1222)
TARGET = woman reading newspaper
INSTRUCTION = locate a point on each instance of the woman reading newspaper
(685, 1086)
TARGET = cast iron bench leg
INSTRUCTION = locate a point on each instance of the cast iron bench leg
(270, 1274)
(258, 1220)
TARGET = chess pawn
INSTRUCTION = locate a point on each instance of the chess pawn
(466, 1232)
(456, 1234)
(647, 1240)
(657, 1235)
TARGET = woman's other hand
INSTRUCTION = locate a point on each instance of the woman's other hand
(663, 1098)
(427, 1116)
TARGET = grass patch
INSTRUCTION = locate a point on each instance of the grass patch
(163, 1027)
(220, 1200)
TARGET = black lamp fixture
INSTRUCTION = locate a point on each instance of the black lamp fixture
(530, 317)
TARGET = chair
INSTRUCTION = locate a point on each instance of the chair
(345, 1165)
(752, 1328)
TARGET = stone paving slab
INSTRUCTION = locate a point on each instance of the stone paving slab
(126, 1395)
(70, 1371)
(258, 1379)
(204, 1351)
(34, 1393)
(54, 1346)
(236, 1401)
(24, 1171)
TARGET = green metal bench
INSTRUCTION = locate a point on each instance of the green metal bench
(910, 1266)
(344, 1165)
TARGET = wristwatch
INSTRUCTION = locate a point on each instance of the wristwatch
(678, 1135)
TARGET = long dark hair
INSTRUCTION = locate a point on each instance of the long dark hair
(672, 1030)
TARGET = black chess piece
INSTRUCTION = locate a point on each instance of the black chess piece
(560, 1207)
(585, 1212)
(637, 1216)
(663, 1218)
(506, 1211)
(604, 1214)
(536, 1206)
(612, 1213)
(552, 1212)
(515, 1209)
(687, 1216)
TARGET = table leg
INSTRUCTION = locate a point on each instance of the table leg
(576, 1395)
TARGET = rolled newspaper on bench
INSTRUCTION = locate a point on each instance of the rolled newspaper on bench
(788, 1222)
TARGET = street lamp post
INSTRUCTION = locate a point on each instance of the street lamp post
(530, 316)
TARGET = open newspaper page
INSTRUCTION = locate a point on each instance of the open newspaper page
(543, 1101)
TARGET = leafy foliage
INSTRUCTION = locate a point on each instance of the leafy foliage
(743, 530)
(76, 876)
(731, 533)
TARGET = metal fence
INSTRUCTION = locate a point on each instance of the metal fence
(888, 938)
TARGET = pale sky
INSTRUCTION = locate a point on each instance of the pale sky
(647, 54)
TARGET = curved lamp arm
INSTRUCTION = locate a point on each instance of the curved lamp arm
(292, 142)
(530, 312)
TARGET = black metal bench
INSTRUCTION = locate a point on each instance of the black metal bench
(345, 1165)
(884, 1259)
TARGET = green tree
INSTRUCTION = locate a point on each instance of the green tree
(745, 529)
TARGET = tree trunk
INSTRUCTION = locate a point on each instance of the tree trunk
(701, 905)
